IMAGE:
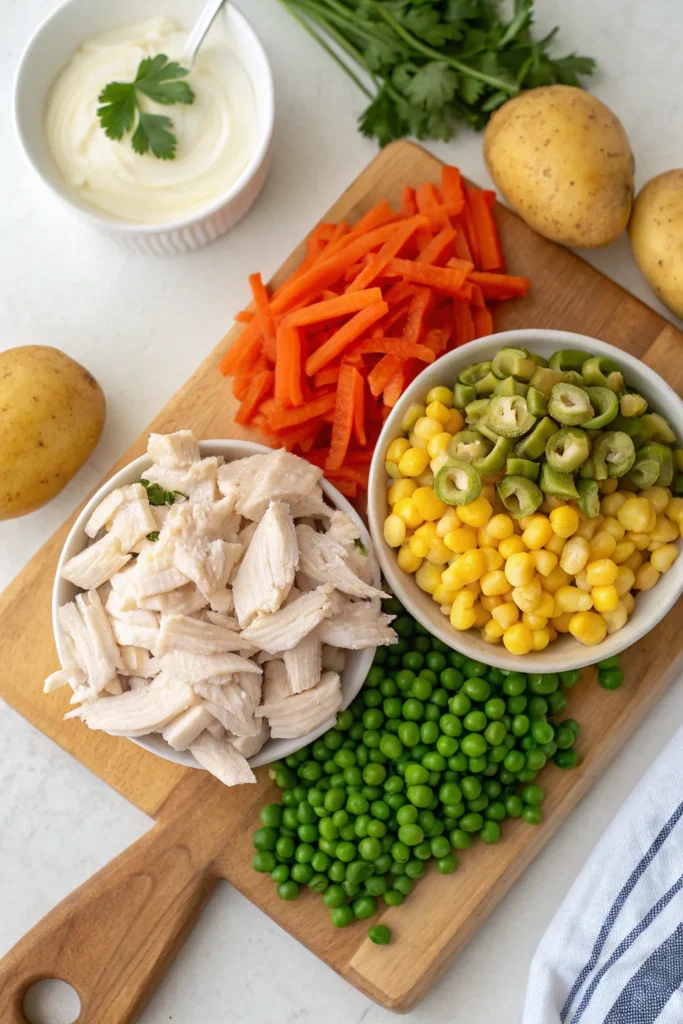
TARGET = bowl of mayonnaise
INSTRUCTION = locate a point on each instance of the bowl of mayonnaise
(179, 157)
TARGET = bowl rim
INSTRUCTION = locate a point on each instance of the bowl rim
(73, 544)
(100, 220)
(579, 655)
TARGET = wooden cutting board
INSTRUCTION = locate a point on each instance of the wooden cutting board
(113, 938)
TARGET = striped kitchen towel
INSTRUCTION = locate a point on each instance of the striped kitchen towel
(613, 953)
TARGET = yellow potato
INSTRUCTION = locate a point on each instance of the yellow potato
(656, 236)
(51, 417)
(563, 160)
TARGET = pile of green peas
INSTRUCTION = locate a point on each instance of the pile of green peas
(436, 751)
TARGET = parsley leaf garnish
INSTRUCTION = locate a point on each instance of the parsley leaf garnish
(361, 546)
(158, 496)
(153, 536)
(160, 80)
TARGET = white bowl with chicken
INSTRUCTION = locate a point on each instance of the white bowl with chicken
(221, 612)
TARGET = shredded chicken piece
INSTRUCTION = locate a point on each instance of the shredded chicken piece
(173, 450)
(334, 658)
(275, 682)
(56, 680)
(304, 712)
(182, 633)
(281, 476)
(138, 712)
(222, 759)
(250, 745)
(325, 561)
(130, 635)
(183, 730)
(267, 570)
(137, 661)
(231, 706)
(197, 667)
(288, 626)
(132, 522)
(359, 624)
(96, 564)
(304, 663)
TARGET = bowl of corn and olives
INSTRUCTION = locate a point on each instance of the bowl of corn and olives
(526, 499)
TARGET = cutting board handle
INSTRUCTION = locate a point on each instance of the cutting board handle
(114, 937)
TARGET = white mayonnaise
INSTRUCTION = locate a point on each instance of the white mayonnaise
(217, 134)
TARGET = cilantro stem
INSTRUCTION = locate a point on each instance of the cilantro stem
(333, 54)
(313, 12)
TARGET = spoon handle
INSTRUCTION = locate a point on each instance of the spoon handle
(199, 30)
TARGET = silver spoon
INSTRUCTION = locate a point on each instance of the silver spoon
(199, 30)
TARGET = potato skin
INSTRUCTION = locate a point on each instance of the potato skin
(656, 236)
(52, 412)
(562, 159)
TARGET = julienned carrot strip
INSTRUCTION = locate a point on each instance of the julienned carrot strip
(461, 248)
(283, 419)
(398, 347)
(393, 317)
(378, 215)
(245, 316)
(500, 286)
(477, 295)
(288, 367)
(240, 384)
(483, 321)
(398, 292)
(353, 358)
(435, 249)
(452, 190)
(427, 196)
(347, 488)
(340, 305)
(352, 474)
(392, 392)
(490, 255)
(265, 315)
(257, 391)
(416, 313)
(380, 375)
(248, 341)
(345, 336)
(302, 436)
(442, 279)
(464, 323)
(325, 377)
(490, 197)
(408, 204)
(391, 248)
(466, 223)
(343, 417)
(436, 339)
(359, 409)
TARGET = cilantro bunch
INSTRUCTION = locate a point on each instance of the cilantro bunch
(431, 63)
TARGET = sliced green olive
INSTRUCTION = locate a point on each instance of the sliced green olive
(568, 449)
(613, 454)
(536, 402)
(509, 416)
(631, 425)
(654, 462)
(606, 406)
(513, 362)
(468, 445)
(559, 485)
(476, 409)
(520, 496)
(473, 373)
(568, 359)
(491, 464)
(601, 372)
(545, 379)
(533, 445)
(458, 483)
(657, 428)
(573, 377)
(486, 385)
(510, 386)
(569, 404)
(463, 394)
(587, 471)
(589, 497)
(485, 428)
(539, 360)
(632, 405)
(522, 467)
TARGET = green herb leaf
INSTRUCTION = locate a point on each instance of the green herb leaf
(153, 133)
(361, 546)
(433, 86)
(153, 536)
(158, 496)
(569, 69)
(117, 114)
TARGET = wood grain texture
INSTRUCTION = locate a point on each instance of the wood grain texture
(153, 892)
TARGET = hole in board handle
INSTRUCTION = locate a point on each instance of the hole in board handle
(51, 1001)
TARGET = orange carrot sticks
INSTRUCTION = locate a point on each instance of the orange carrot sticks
(343, 417)
(359, 409)
(288, 366)
(379, 377)
(282, 419)
(500, 286)
(340, 305)
(435, 249)
(391, 248)
(341, 339)
(442, 279)
(259, 388)
(490, 255)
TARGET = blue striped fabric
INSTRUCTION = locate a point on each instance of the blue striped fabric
(652, 986)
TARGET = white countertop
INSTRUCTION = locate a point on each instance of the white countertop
(141, 325)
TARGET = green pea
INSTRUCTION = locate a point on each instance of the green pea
(364, 907)
(440, 846)
(265, 838)
(415, 868)
(334, 896)
(514, 684)
(495, 709)
(427, 673)
(409, 733)
(420, 796)
(474, 668)
(532, 815)
(410, 835)
(480, 804)
(573, 725)
(264, 860)
(429, 730)
(535, 760)
(288, 890)
(271, 815)
(280, 873)
(496, 811)
(423, 643)
(436, 661)
(407, 815)
(459, 704)
(516, 705)
(404, 884)
(308, 833)
(285, 847)
(404, 626)
(341, 916)
(447, 865)
(460, 839)
(458, 762)
(473, 745)
(514, 761)
(302, 873)
(421, 689)
(345, 852)
(570, 678)
(612, 662)
(490, 832)
(543, 684)
(388, 688)
(476, 688)
(318, 883)
(399, 851)
(451, 679)
(533, 795)
(391, 745)
(285, 778)
(446, 745)
(513, 806)
(471, 822)
(495, 733)
(566, 758)
(557, 701)
(542, 732)
(537, 708)
(610, 678)
(526, 775)
(397, 868)
(311, 771)
(304, 853)
(413, 710)
(475, 721)
(393, 898)
(564, 737)
(404, 679)
(379, 934)
(450, 793)
(353, 776)
(440, 697)
(370, 849)
(380, 809)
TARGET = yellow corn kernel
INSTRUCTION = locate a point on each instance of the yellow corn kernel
(471, 565)
(398, 447)
(658, 497)
(425, 479)
(581, 581)
(487, 540)
(602, 544)
(552, 633)
(556, 545)
(438, 445)
(664, 558)
(427, 427)
(624, 581)
(544, 561)
(500, 526)
(518, 639)
(394, 531)
(550, 503)
(613, 527)
(634, 561)
(608, 486)
(615, 619)
(571, 599)
(438, 554)
(455, 422)
(629, 602)
(540, 638)
(489, 601)
(492, 632)
(588, 527)
(427, 504)
(445, 609)
(407, 512)
(512, 546)
(488, 491)
(674, 512)
(646, 576)
(428, 577)
(494, 583)
(414, 462)
(417, 442)
(611, 503)
(492, 558)
(546, 607)
(556, 579)
(438, 411)
(451, 578)
(637, 515)
(602, 572)
(623, 550)
(588, 628)
(440, 394)
(534, 621)
(664, 530)
(538, 532)
(407, 561)
(411, 416)
(463, 614)
(419, 546)
(520, 568)
(524, 522)
(427, 531)
(506, 614)
(482, 616)
(400, 489)
(561, 622)
(640, 540)
(528, 597)
(461, 539)
(605, 599)
(392, 471)
(444, 595)
(474, 586)
(475, 513)
(575, 555)
(564, 521)
(449, 521)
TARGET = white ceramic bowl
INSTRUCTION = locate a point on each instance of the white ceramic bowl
(357, 662)
(49, 50)
(566, 652)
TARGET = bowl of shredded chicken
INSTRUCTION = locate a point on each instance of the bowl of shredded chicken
(218, 603)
